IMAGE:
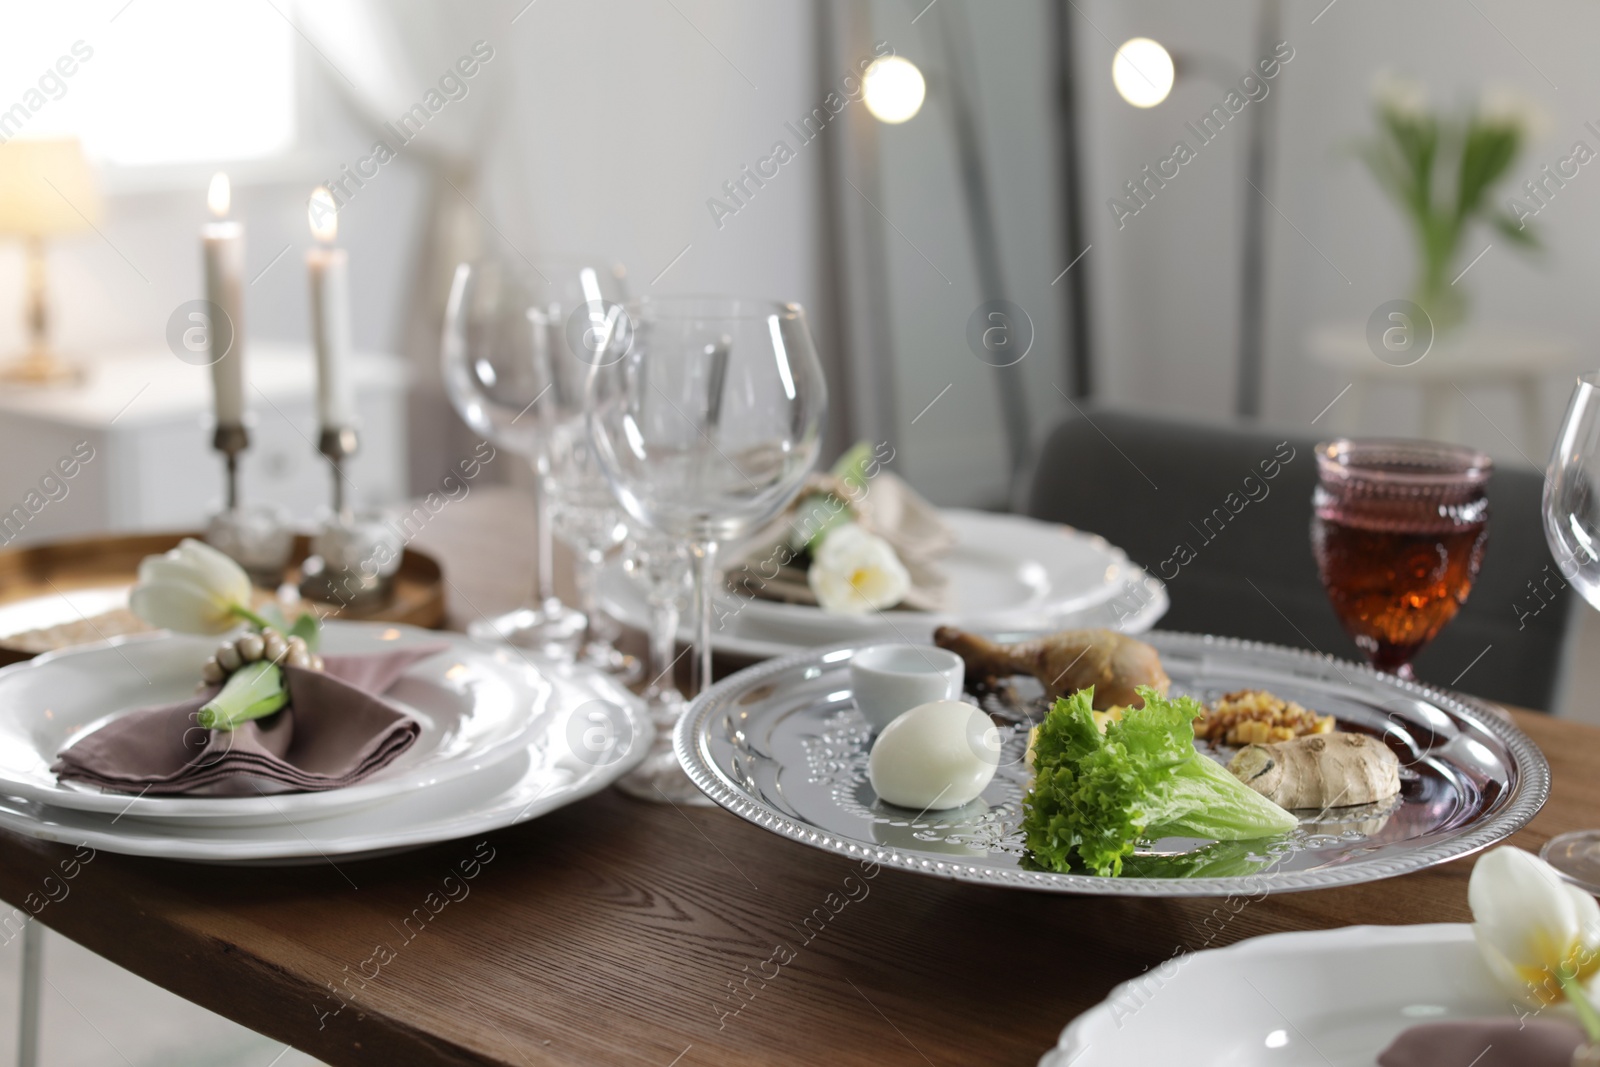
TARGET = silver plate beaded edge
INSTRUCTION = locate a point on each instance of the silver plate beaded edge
(1529, 790)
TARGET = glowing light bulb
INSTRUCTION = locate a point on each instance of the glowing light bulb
(219, 195)
(323, 214)
(1143, 72)
(893, 89)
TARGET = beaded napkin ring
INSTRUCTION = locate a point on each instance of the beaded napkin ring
(267, 645)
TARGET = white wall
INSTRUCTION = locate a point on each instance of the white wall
(1166, 287)
(630, 116)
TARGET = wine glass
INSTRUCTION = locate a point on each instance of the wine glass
(1399, 532)
(1571, 509)
(707, 425)
(588, 519)
(493, 379)
(659, 565)
(581, 328)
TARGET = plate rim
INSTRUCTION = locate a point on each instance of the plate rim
(1529, 793)
(175, 809)
(1072, 1043)
(782, 613)
(297, 847)
(1155, 604)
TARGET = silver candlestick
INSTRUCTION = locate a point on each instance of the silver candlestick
(354, 555)
(258, 537)
(338, 443)
(231, 440)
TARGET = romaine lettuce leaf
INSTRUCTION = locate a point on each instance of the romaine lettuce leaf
(1095, 796)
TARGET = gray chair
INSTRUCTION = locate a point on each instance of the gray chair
(1241, 564)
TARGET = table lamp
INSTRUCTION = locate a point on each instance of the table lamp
(46, 188)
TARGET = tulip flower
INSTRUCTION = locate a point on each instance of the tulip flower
(1539, 934)
(193, 589)
(855, 572)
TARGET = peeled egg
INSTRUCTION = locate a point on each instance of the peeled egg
(935, 756)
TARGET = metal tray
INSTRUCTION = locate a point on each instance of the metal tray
(782, 745)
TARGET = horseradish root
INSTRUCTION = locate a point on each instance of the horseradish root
(1334, 770)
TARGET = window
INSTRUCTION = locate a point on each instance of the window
(154, 82)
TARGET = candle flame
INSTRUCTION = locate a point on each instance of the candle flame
(323, 214)
(219, 195)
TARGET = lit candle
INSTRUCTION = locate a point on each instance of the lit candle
(330, 314)
(223, 243)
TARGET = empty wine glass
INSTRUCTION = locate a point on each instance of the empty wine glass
(1399, 533)
(1571, 510)
(492, 380)
(588, 519)
(709, 424)
(580, 328)
(659, 565)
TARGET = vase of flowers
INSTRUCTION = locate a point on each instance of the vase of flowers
(1440, 169)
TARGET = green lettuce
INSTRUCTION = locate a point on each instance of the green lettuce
(1095, 796)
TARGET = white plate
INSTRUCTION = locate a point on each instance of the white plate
(1335, 997)
(594, 733)
(1005, 571)
(477, 704)
(1137, 601)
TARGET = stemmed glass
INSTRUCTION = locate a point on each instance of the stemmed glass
(1399, 533)
(492, 379)
(580, 328)
(709, 424)
(1572, 530)
(659, 566)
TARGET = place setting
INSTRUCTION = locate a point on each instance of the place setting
(258, 750)
(266, 698)
(942, 565)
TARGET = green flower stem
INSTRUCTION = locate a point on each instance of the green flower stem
(249, 616)
(251, 692)
(1580, 1003)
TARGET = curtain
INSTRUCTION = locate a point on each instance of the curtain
(385, 55)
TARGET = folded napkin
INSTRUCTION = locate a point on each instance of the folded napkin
(335, 731)
(887, 507)
(1485, 1043)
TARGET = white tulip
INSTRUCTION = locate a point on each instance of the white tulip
(1539, 935)
(193, 589)
(855, 572)
(1408, 99)
(1503, 104)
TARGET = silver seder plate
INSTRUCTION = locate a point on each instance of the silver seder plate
(782, 745)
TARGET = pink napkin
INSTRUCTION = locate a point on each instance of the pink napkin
(335, 731)
(1485, 1043)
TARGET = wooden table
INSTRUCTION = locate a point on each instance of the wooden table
(620, 932)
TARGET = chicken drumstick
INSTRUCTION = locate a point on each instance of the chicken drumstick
(1064, 662)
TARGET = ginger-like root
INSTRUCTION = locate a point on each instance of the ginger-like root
(1334, 770)
(1114, 663)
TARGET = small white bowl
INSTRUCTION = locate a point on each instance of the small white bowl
(888, 680)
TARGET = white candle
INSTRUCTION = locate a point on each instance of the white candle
(330, 315)
(223, 244)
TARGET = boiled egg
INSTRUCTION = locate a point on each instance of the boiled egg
(935, 756)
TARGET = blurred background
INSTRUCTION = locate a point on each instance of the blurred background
(609, 126)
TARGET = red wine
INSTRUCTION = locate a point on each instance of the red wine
(1394, 590)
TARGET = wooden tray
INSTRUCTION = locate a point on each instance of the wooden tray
(34, 578)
